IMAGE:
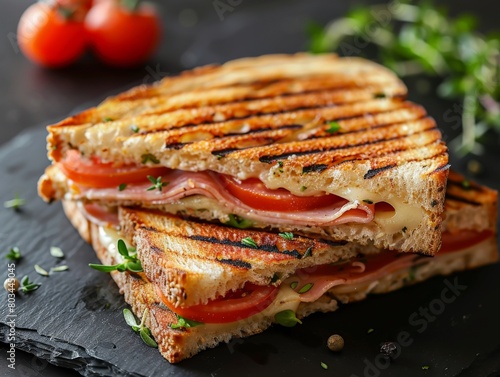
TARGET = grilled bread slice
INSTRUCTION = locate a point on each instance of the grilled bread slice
(310, 124)
(178, 236)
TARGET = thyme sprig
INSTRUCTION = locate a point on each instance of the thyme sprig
(141, 328)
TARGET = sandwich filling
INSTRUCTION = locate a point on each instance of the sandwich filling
(92, 180)
(306, 285)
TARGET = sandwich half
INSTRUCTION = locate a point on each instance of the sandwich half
(315, 144)
(204, 283)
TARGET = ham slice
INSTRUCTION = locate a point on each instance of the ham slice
(182, 184)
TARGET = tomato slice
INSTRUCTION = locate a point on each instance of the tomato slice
(463, 239)
(93, 173)
(253, 193)
(241, 304)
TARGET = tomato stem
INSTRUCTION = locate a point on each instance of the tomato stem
(130, 5)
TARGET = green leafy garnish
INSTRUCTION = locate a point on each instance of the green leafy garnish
(184, 323)
(130, 263)
(287, 318)
(424, 38)
(248, 241)
(40, 270)
(122, 186)
(306, 288)
(238, 222)
(56, 252)
(280, 166)
(14, 254)
(144, 332)
(28, 286)
(107, 119)
(157, 183)
(148, 157)
(15, 203)
(333, 127)
(59, 269)
(303, 188)
(370, 331)
(323, 365)
(425, 367)
(294, 284)
(134, 128)
(308, 252)
(286, 235)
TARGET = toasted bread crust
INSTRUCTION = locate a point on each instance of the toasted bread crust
(178, 344)
(270, 117)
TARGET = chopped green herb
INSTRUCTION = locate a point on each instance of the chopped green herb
(466, 184)
(379, 95)
(425, 367)
(248, 241)
(280, 166)
(308, 252)
(324, 366)
(130, 263)
(157, 183)
(287, 318)
(122, 186)
(184, 323)
(238, 222)
(404, 229)
(148, 157)
(370, 331)
(367, 201)
(306, 288)
(59, 269)
(40, 270)
(14, 254)
(15, 203)
(144, 332)
(28, 286)
(303, 188)
(107, 119)
(286, 235)
(333, 127)
(56, 252)
(294, 284)
(134, 128)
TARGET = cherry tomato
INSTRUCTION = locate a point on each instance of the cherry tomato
(50, 35)
(93, 173)
(120, 36)
(245, 302)
(253, 193)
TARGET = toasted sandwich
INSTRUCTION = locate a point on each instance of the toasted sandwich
(204, 283)
(315, 144)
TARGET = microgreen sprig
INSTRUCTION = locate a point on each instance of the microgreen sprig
(424, 38)
(14, 254)
(130, 263)
(15, 203)
(248, 241)
(287, 318)
(184, 323)
(287, 235)
(144, 332)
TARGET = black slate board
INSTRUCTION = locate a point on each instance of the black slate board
(75, 318)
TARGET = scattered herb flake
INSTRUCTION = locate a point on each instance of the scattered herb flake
(40, 270)
(287, 318)
(15, 203)
(248, 241)
(28, 286)
(308, 252)
(370, 331)
(107, 119)
(122, 186)
(157, 183)
(14, 254)
(59, 269)
(425, 367)
(294, 284)
(379, 95)
(303, 188)
(333, 127)
(466, 184)
(324, 366)
(148, 157)
(306, 288)
(56, 252)
(134, 128)
(184, 323)
(238, 222)
(368, 201)
(286, 235)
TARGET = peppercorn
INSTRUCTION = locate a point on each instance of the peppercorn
(11, 285)
(335, 343)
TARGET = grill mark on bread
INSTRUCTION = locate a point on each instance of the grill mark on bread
(373, 172)
(451, 197)
(236, 263)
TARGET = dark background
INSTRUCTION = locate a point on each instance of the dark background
(32, 97)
